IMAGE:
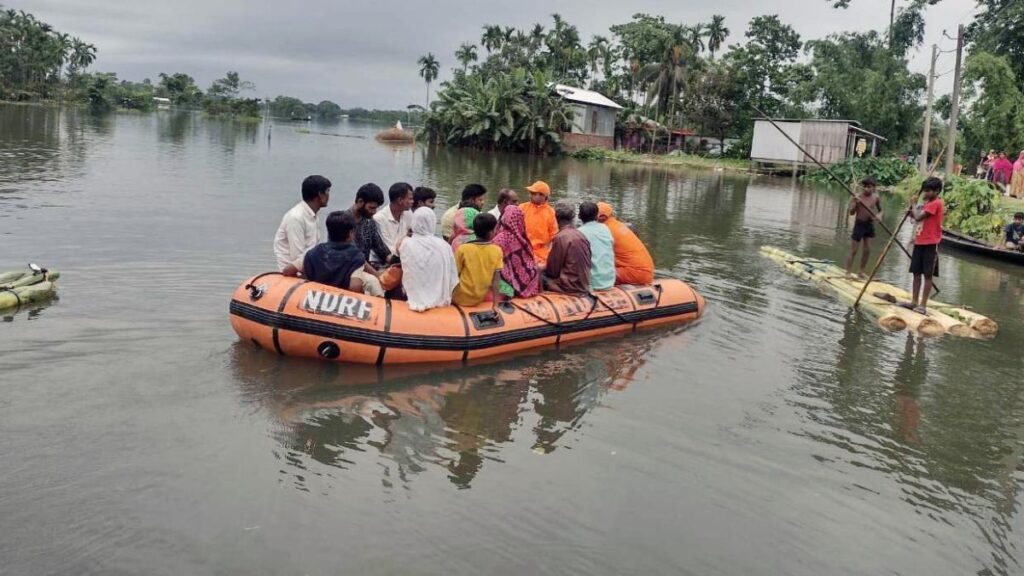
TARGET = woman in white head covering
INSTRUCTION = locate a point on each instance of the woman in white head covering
(428, 265)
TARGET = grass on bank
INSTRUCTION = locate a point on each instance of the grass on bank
(673, 159)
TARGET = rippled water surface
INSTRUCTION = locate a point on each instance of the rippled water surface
(782, 434)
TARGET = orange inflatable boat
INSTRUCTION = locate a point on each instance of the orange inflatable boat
(298, 318)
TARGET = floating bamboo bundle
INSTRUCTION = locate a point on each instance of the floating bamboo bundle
(879, 300)
(18, 288)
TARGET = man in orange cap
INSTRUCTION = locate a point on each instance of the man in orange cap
(541, 225)
(633, 263)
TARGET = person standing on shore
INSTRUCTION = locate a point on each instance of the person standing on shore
(924, 262)
(1017, 179)
(541, 224)
(298, 231)
(866, 208)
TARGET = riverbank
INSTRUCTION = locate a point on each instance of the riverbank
(680, 160)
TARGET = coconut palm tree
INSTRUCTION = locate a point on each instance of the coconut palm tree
(597, 50)
(695, 37)
(429, 67)
(717, 33)
(466, 54)
(492, 37)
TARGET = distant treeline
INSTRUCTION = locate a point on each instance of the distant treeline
(295, 109)
(39, 63)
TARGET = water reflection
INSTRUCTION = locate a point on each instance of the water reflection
(28, 312)
(452, 420)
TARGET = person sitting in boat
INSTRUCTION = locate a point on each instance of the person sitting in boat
(338, 262)
(479, 263)
(393, 220)
(866, 208)
(1014, 234)
(298, 231)
(520, 276)
(429, 274)
(568, 265)
(423, 196)
(633, 262)
(506, 197)
(469, 198)
(541, 224)
(602, 248)
(462, 223)
(369, 197)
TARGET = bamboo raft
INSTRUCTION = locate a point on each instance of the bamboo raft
(21, 287)
(878, 300)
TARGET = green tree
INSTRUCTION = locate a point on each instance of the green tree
(328, 109)
(288, 107)
(428, 71)
(230, 86)
(466, 54)
(995, 116)
(180, 88)
(856, 76)
(998, 29)
(717, 33)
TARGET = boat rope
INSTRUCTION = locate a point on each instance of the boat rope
(612, 310)
(255, 292)
(559, 325)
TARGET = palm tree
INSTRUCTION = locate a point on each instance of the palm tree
(492, 37)
(597, 51)
(536, 36)
(428, 71)
(466, 54)
(695, 37)
(82, 54)
(717, 33)
(664, 79)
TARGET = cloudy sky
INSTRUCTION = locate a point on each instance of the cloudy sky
(364, 53)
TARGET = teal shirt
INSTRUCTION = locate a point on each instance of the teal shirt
(602, 255)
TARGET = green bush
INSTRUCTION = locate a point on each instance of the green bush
(888, 171)
(973, 208)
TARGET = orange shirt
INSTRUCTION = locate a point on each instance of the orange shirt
(633, 263)
(541, 228)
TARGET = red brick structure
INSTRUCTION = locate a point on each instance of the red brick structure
(572, 142)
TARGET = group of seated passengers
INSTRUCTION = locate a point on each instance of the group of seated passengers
(516, 250)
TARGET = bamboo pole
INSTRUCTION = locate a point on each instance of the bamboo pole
(881, 258)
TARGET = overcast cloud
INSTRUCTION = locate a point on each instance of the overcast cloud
(364, 53)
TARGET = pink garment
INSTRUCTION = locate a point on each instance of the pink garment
(1019, 164)
(1003, 171)
(520, 269)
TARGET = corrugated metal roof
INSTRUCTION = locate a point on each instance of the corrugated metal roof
(585, 96)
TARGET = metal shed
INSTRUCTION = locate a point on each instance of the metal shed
(829, 141)
(593, 122)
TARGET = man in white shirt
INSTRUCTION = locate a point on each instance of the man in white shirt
(395, 219)
(299, 231)
(506, 197)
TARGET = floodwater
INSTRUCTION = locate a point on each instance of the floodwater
(781, 434)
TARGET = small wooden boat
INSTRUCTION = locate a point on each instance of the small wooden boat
(396, 135)
(965, 243)
(295, 317)
(879, 300)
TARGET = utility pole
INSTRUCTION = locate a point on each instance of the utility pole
(923, 161)
(955, 102)
(892, 20)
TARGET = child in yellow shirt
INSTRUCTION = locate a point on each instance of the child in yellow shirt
(479, 265)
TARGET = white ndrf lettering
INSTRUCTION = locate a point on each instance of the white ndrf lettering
(346, 306)
(312, 300)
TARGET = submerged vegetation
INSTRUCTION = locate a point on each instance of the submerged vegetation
(974, 207)
(672, 159)
(888, 171)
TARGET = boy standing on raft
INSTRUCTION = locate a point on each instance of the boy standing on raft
(924, 262)
(868, 208)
